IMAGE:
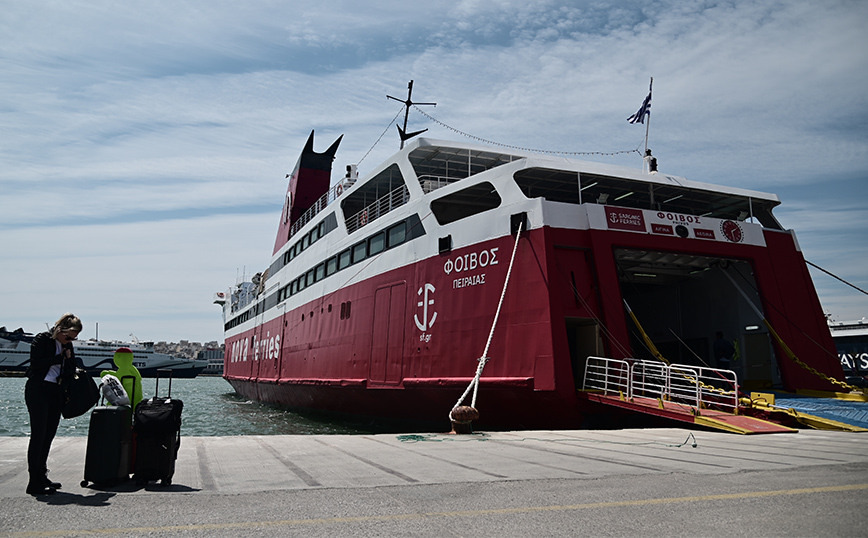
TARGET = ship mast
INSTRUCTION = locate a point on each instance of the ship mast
(407, 104)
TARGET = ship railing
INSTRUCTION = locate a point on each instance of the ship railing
(431, 183)
(696, 386)
(715, 387)
(611, 376)
(383, 205)
(330, 196)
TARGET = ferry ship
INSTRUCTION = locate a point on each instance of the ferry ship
(97, 355)
(381, 294)
(851, 341)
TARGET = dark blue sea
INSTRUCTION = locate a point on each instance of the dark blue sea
(211, 408)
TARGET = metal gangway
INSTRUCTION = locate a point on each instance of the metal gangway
(697, 387)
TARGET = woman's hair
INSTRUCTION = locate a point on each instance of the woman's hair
(67, 322)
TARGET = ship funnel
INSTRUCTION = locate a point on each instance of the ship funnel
(308, 182)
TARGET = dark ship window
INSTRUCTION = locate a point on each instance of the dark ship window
(465, 203)
(344, 259)
(577, 188)
(397, 234)
(360, 252)
(378, 196)
(377, 243)
(439, 166)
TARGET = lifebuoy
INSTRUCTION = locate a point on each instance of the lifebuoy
(339, 189)
(363, 219)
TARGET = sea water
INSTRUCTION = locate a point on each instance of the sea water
(211, 408)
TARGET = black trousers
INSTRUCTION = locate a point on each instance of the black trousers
(43, 400)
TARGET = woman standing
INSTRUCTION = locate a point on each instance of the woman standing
(52, 359)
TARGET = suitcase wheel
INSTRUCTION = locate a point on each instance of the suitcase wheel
(83, 483)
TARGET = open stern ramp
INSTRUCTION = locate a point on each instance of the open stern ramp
(693, 394)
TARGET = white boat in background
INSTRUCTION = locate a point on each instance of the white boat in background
(14, 351)
(97, 355)
(851, 341)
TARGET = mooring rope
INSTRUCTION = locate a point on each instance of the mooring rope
(474, 384)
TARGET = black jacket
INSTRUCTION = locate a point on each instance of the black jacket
(43, 355)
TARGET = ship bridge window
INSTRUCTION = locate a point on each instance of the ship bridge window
(438, 166)
(360, 252)
(344, 259)
(575, 188)
(374, 198)
(377, 243)
(465, 203)
(397, 234)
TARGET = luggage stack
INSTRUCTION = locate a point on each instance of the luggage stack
(157, 426)
(108, 457)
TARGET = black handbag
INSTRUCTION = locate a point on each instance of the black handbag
(80, 393)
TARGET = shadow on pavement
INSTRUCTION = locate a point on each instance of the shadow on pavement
(63, 498)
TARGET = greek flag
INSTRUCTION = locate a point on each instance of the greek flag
(644, 110)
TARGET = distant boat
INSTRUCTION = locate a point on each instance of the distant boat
(215, 361)
(851, 341)
(97, 355)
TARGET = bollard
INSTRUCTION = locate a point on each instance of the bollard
(461, 417)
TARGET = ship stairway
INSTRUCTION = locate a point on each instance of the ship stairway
(698, 395)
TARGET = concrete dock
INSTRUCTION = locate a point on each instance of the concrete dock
(637, 482)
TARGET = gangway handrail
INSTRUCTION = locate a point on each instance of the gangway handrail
(607, 375)
(716, 385)
(696, 386)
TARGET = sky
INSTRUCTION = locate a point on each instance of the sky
(144, 145)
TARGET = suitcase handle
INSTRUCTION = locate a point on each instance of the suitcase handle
(133, 395)
(157, 388)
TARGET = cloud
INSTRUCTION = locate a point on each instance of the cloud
(154, 124)
(163, 272)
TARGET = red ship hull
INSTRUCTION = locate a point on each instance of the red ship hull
(376, 361)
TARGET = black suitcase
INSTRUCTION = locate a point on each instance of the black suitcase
(157, 428)
(108, 457)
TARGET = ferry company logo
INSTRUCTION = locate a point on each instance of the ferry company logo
(624, 218)
(425, 292)
(732, 231)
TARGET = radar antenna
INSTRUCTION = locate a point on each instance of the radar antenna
(407, 104)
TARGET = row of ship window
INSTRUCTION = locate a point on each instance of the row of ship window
(377, 243)
(307, 240)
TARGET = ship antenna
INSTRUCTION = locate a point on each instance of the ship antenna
(407, 104)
